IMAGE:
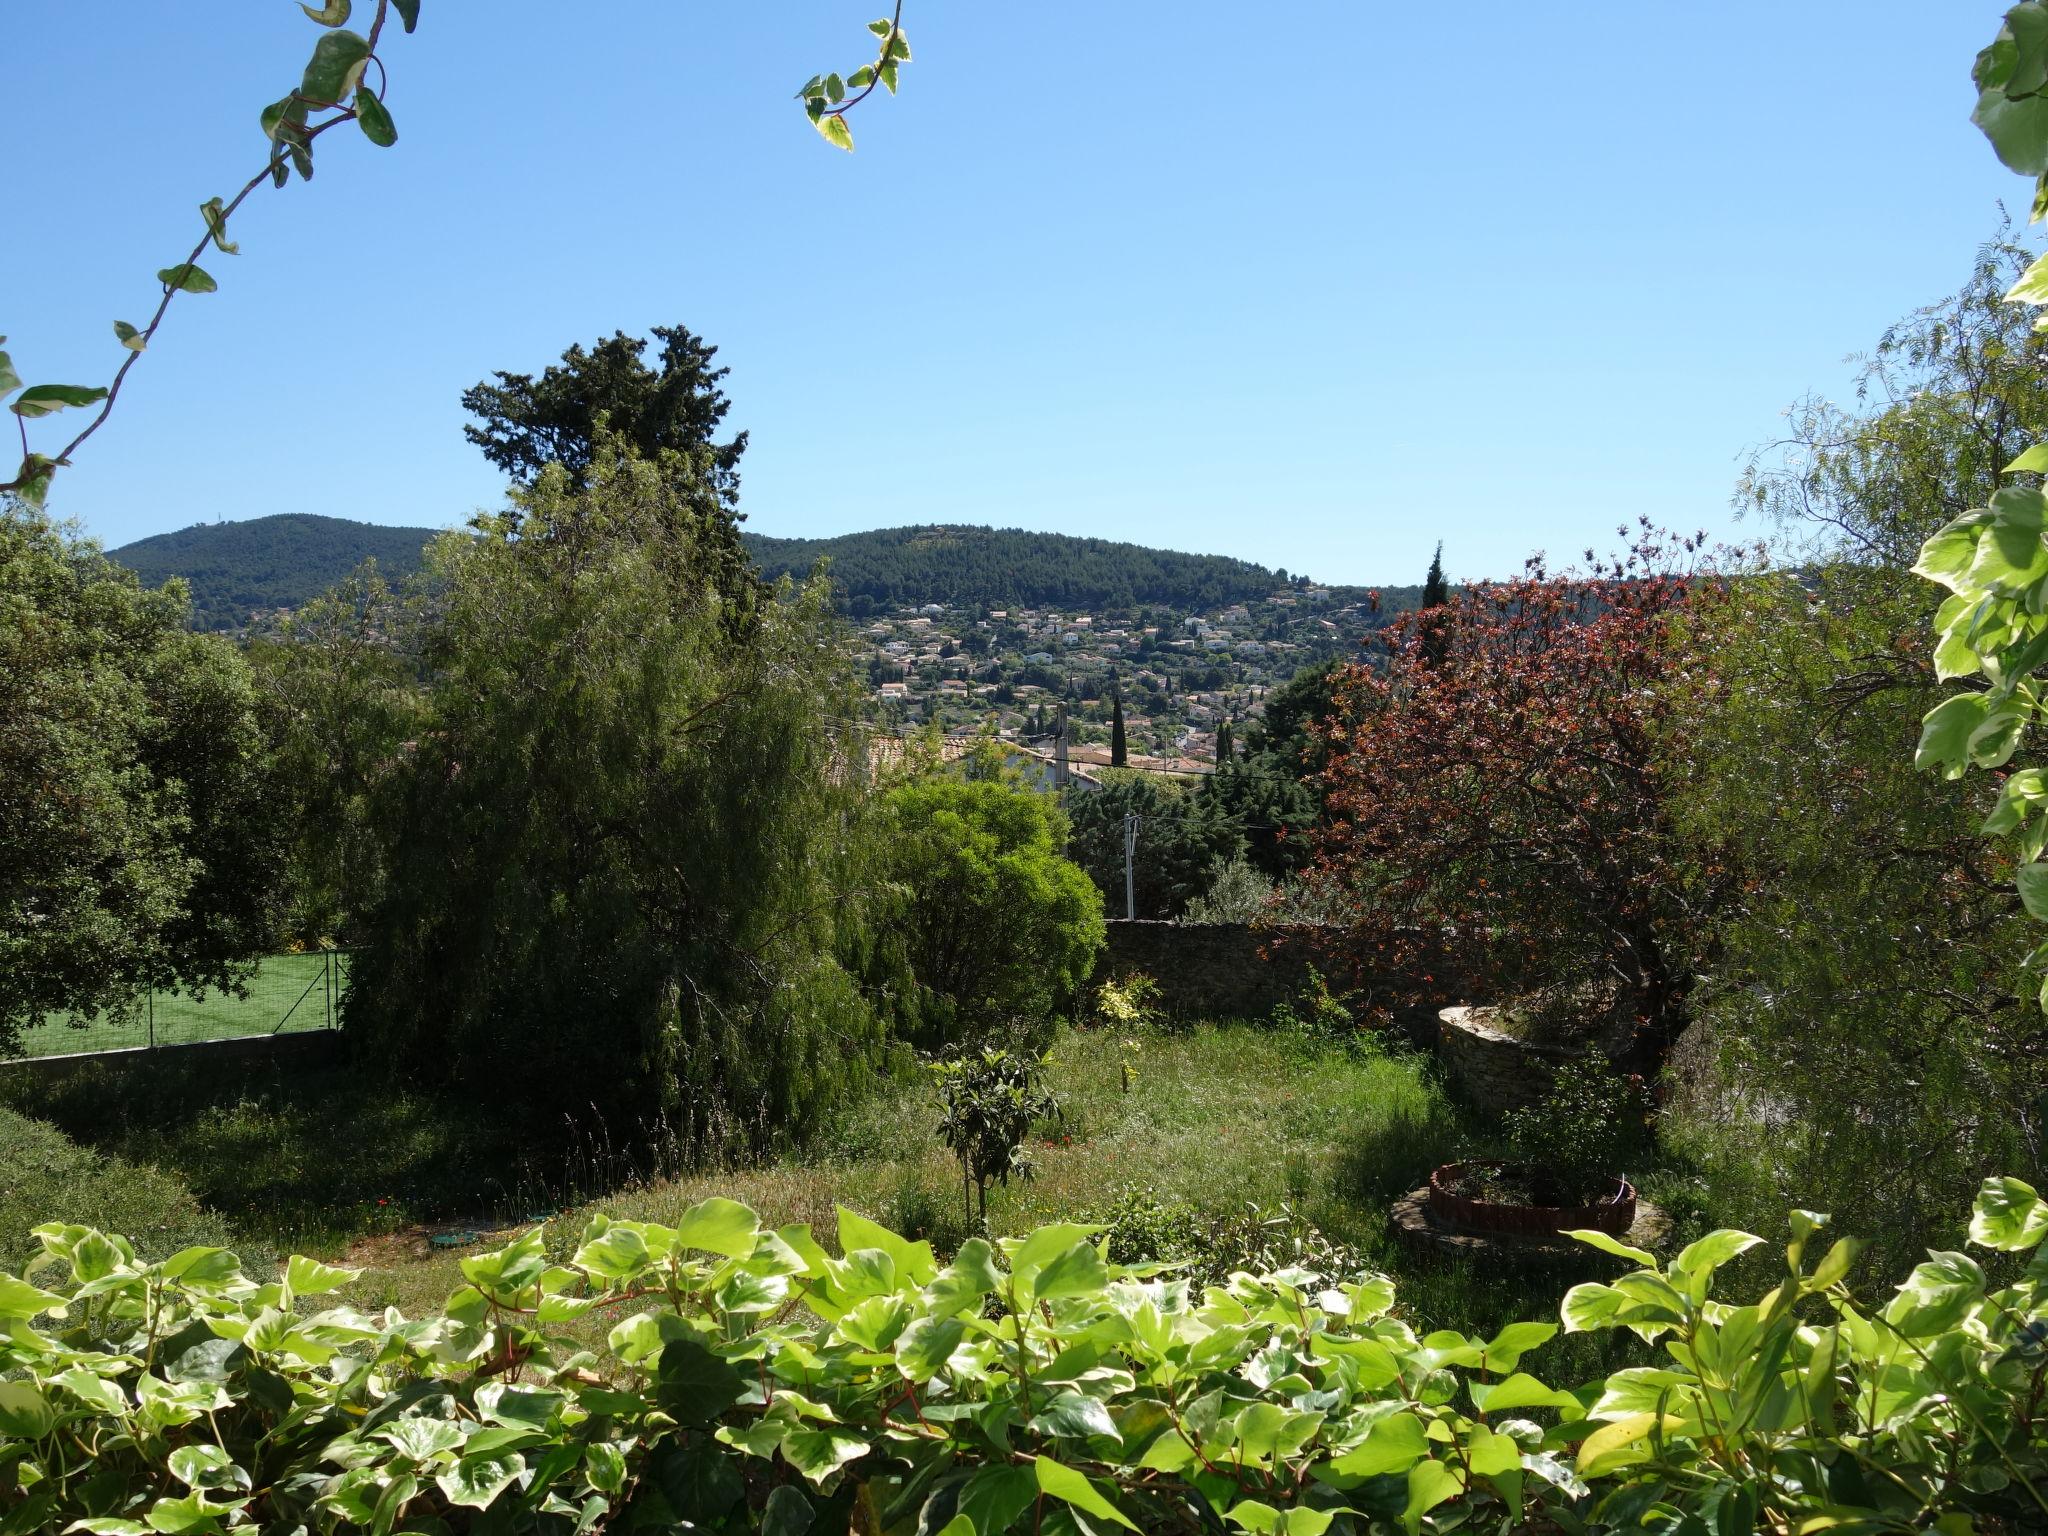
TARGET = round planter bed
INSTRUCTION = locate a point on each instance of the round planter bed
(1615, 1214)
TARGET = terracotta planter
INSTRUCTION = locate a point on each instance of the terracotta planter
(1614, 1215)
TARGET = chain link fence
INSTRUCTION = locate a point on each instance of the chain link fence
(286, 995)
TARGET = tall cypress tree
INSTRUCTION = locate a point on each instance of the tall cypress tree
(1435, 590)
(1118, 753)
(1435, 593)
(1223, 742)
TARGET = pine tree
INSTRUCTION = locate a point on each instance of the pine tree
(1118, 752)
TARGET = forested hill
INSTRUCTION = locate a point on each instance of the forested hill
(1008, 567)
(236, 569)
(268, 562)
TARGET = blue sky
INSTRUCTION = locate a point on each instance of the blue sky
(1314, 284)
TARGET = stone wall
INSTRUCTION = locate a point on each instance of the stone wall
(1235, 971)
(1206, 970)
(1494, 1071)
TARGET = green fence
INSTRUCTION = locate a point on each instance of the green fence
(287, 995)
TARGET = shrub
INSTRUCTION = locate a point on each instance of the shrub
(994, 929)
(991, 1101)
(1030, 1383)
(45, 1175)
(1590, 1126)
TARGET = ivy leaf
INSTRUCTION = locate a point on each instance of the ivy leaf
(408, 12)
(693, 1385)
(2009, 75)
(1429, 1484)
(44, 399)
(996, 1497)
(335, 58)
(1071, 1487)
(476, 1480)
(883, 27)
(720, 1226)
(1075, 1415)
(1608, 1244)
(2035, 459)
(2032, 881)
(899, 48)
(888, 75)
(9, 379)
(187, 279)
(835, 131)
(818, 1453)
(309, 1277)
(130, 337)
(2009, 1216)
(335, 13)
(25, 1414)
(375, 120)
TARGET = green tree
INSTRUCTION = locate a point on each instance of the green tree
(342, 700)
(525, 423)
(1119, 750)
(139, 841)
(1273, 789)
(618, 863)
(990, 924)
(1435, 593)
(1224, 745)
(1183, 838)
(1863, 963)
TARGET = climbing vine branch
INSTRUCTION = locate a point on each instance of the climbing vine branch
(334, 82)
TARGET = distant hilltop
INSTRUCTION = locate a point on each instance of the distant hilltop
(239, 570)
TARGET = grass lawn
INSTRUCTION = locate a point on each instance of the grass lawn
(287, 991)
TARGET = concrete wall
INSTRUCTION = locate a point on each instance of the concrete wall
(314, 1047)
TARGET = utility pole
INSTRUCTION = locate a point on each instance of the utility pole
(1130, 880)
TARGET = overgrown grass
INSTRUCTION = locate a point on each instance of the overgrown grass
(1217, 1122)
(45, 1176)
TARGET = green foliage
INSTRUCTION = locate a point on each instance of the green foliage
(991, 1100)
(991, 925)
(233, 569)
(1208, 1246)
(1274, 789)
(1593, 1125)
(526, 423)
(341, 702)
(1030, 1380)
(1316, 1012)
(826, 98)
(1238, 893)
(138, 845)
(1128, 1002)
(1861, 1046)
(614, 870)
(50, 1177)
(1182, 838)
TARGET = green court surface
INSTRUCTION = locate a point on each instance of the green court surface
(287, 994)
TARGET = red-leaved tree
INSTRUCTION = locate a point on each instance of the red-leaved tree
(1495, 794)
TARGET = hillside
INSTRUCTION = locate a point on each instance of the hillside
(970, 567)
(236, 569)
